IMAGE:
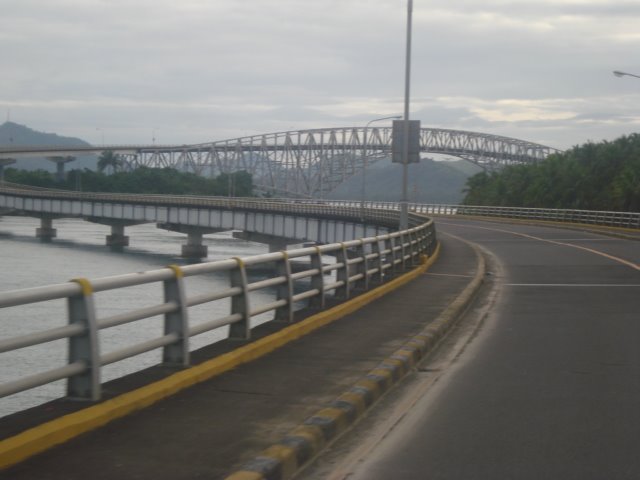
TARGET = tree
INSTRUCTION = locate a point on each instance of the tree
(109, 159)
(593, 176)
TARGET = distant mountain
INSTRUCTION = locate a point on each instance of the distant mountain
(465, 167)
(14, 134)
(429, 182)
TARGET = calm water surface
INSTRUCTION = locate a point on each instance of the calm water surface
(79, 251)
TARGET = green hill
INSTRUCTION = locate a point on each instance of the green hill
(14, 134)
(593, 176)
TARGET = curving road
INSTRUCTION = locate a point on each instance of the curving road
(548, 388)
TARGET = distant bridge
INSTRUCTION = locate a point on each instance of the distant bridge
(304, 163)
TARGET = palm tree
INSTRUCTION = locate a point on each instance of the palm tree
(109, 159)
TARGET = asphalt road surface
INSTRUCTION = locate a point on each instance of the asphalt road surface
(548, 388)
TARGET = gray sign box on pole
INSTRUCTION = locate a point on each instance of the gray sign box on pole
(397, 140)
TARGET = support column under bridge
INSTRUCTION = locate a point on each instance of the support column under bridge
(275, 243)
(117, 239)
(193, 249)
(46, 232)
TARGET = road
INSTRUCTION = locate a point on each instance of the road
(547, 388)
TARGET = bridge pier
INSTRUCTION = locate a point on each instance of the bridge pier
(60, 161)
(275, 243)
(117, 240)
(46, 232)
(3, 163)
(193, 249)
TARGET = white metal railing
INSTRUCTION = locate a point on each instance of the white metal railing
(358, 264)
(591, 217)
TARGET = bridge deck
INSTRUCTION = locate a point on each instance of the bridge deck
(211, 429)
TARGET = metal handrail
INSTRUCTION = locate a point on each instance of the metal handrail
(358, 264)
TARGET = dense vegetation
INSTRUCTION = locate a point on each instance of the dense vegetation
(602, 176)
(141, 180)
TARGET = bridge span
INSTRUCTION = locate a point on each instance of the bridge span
(304, 163)
(271, 221)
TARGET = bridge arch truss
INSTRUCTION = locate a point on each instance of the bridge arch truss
(310, 163)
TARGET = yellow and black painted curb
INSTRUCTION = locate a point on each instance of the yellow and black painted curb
(282, 460)
(43, 437)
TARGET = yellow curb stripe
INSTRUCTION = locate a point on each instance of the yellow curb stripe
(335, 414)
(285, 456)
(311, 433)
(355, 400)
(38, 439)
(370, 386)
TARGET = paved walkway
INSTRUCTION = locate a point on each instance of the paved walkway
(212, 428)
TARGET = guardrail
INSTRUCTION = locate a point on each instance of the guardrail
(358, 264)
(590, 217)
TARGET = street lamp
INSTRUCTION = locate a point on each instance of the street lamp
(364, 157)
(404, 201)
(153, 135)
(624, 74)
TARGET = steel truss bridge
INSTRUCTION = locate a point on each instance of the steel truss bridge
(304, 163)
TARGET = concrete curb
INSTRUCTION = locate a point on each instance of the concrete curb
(285, 458)
(15, 449)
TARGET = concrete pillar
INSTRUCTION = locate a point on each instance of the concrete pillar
(275, 243)
(194, 247)
(60, 161)
(3, 163)
(117, 239)
(277, 246)
(46, 232)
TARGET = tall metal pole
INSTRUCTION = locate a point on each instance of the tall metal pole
(404, 202)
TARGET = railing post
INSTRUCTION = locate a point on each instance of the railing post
(403, 250)
(240, 303)
(176, 322)
(84, 348)
(343, 272)
(388, 246)
(375, 249)
(412, 248)
(363, 266)
(284, 291)
(317, 281)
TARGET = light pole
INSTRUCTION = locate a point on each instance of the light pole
(404, 201)
(153, 135)
(624, 74)
(364, 157)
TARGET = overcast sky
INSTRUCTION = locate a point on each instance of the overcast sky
(188, 71)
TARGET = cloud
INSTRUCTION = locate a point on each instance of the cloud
(202, 70)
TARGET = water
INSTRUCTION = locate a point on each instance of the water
(79, 251)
